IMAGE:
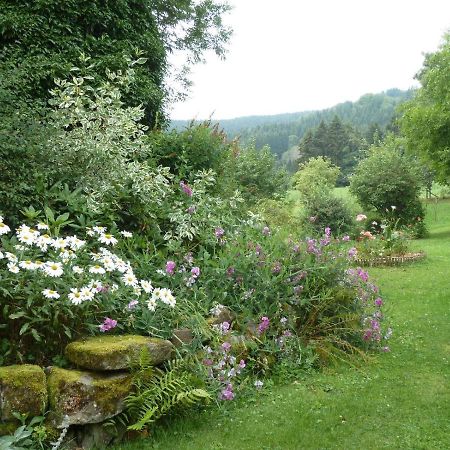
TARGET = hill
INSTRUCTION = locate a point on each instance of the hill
(284, 131)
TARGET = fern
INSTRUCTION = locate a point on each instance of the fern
(158, 392)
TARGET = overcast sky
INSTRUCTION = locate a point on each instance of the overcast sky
(297, 55)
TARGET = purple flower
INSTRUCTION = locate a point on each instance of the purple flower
(191, 210)
(242, 364)
(264, 324)
(195, 272)
(108, 324)
(226, 346)
(266, 231)
(208, 362)
(296, 248)
(170, 267)
(230, 271)
(367, 335)
(346, 238)
(276, 268)
(258, 250)
(352, 252)
(186, 188)
(386, 349)
(224, 327)
(132, 304)
(328, 231)
(378, 302)
(227, 393)
(298, 290)
(283, 320)
(219, 232)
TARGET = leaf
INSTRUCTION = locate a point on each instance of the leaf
(36, 335)
(17, 315)
(49, 214)
(24, 328)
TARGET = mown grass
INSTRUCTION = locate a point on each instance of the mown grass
(400, 400)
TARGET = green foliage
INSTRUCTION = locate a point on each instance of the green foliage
(339, 143)
(387, 178)
(159, 392)
(256, 173)
(426, 118)
(199, 147)
(316, 177)
(40, 40)
(328, 211)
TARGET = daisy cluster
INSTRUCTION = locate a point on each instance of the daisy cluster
(87, 264)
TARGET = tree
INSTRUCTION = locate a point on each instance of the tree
(426, 119)
(41, 40)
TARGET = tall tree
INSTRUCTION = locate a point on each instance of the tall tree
(42, 39)
(426, 119)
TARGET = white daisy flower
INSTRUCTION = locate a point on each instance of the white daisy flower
(26, 237)
(75, 296)
(77, 269)
(95, 285)
(2, 218)
(59, 243)
(108, 264)
(126, 234)
(129, 279)
(2, 255)
(89, 232)
(166, 297)
(39, 264)
(50, 293)
(137, 290)
(108, 239)
(23, 229)
(42, 226)
(151, 304)
(147, 286)
(75, 243)
(114, 287)
(122, 267)
(21, 248)
(99, 230)
(156, 294)
(4, 228)
(28, 265)
(53, 269)
(87, 294)
(11, 257)
(13, 268)
(97, 269)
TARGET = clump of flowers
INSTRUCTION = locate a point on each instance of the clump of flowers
(223, 368)
(60, 286)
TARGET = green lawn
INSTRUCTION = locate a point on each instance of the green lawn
(401, 400)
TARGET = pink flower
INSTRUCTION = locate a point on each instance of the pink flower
(108, 324)
(132, 304)
(361, 217)
(378, 302)
(170, 267)
(226, 346)
(346, 238)
(266, 231)
(195, 272)
(264, 324)
(352, 252)
(186, 188)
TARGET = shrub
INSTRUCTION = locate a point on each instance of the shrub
(388, 178)
(328, 211)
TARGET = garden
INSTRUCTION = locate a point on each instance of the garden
(177, 289)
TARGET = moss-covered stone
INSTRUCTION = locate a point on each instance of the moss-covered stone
(9, 427)
(23, 389)
(78, 398)
(117, 352)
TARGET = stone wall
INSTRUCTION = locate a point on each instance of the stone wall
(79, 398)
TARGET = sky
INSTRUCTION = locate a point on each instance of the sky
(298, 55)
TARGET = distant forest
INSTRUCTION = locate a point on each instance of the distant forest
(285, 133)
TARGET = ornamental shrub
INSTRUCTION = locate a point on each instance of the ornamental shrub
(389, 178)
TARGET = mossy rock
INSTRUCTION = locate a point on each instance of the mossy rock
(7, 428)
(117, 352)
(23, 389)
(81, 397)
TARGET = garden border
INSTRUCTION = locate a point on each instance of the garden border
(391, 260)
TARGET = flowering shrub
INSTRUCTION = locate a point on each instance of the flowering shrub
(54, 288)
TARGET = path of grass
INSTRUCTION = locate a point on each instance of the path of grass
(399, 401)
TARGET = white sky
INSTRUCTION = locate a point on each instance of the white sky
(297, 55)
